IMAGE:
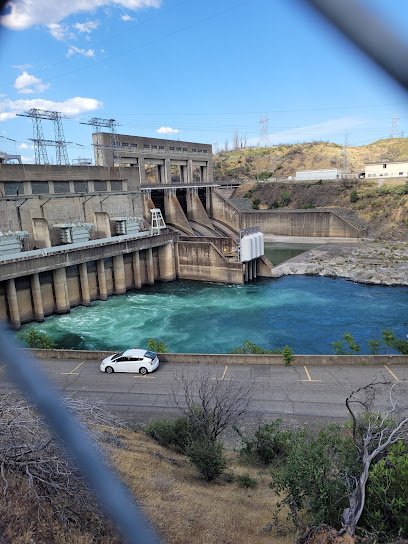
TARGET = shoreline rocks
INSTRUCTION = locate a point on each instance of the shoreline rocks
(370, 262)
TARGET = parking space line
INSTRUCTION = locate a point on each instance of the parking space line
(73, 371)
(392, 373)
(140, 376)
(223, 375)
(309, 379)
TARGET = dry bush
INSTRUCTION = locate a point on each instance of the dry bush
(44, 495)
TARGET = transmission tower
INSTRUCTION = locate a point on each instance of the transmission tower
(344, 154)
(263, 131)
(40, 144)
(394, 129)
(99, 148)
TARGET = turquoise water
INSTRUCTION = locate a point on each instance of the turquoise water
(278, 252)
(306, 313)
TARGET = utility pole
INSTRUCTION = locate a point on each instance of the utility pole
(344, 154)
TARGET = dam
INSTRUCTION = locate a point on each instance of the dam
(70, 235)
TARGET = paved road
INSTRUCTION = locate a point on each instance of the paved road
(285, 391)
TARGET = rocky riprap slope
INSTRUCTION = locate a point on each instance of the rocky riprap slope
(372, 262)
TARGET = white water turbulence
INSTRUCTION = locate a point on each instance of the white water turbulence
(306, 313)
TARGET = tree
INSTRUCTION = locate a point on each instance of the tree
(235, 144)
(340, 346)
(157, 345)
(211, 404)
(36, 339)
(373, 435)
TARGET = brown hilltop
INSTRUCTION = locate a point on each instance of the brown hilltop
(285, 160)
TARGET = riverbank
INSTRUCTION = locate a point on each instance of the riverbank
(371, 262)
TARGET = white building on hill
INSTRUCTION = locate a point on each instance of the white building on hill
(386, 169)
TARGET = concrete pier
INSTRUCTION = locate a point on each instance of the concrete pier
(37, 297)
(166, 262)
(100, 267)
(83, 278)
(15, 322)
(119, 275)
(137, 281)
(149, 266)
(61, 291)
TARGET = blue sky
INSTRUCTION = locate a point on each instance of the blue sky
(192, 70)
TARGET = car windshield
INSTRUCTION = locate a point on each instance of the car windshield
(117, 355)
(150, 354)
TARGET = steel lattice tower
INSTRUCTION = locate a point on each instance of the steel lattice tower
(263, 131)
(40, 144)
(111, 124)
(394, 127)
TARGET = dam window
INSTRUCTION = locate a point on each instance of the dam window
(39, 187)
(194, 150)
(400, 173)
(133, 145)
(61, 187)
(125, 144)
(161, 147)
(204, 151)
(116, 186)
(146, 146)
(172, 148)
(184, 148)
(178, 149)
(13, 189)
(385, 165)
(100, 186)
(154, 146)
(80, 186)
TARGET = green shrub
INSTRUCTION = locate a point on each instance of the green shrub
(354, 196)
(255, 203)
(250, 347)
(228, 477)
(317, 473)
(273, 205)
(265, 175)
(207, 457)
(287, 354)
(36, 339)
(270, 445)
(245, 480)
(172, 434)
(285, 198)
(386, 507)
(375, 346)
(157, 345)
(347, 346)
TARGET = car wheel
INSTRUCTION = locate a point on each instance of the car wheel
(109, 370)
(142, 370)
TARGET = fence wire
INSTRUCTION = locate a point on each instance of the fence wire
(382, 45)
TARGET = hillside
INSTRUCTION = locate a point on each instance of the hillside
(285, 160)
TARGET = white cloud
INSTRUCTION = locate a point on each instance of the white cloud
(5, 116)
(21, 66)
(127, 18)
(85, 52)
(87, 27)
(167, 130)
(25, 146)
(71, 107)
(312, 132)
(60, 32)
(27, 84)
(26, 13)
(27, 160)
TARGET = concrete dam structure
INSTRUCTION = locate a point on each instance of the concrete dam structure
(73, 234)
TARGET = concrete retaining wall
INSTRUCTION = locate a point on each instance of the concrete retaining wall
(228, 359)
(283, 222)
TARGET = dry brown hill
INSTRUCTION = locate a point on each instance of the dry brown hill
(285, 160)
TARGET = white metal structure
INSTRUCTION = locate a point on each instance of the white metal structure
(315, 175)
(157, 222)
(251, 244)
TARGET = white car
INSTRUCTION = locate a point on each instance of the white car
(131, 360)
